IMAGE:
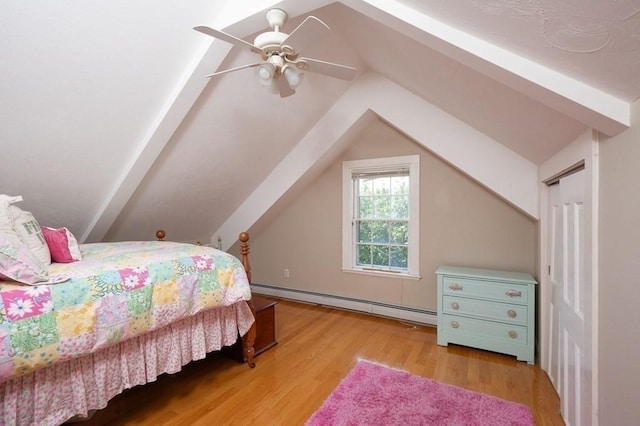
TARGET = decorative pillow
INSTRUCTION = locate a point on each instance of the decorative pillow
(6, 223)
(28, 229)
(24, 224)
(17, 262)
(62, 245)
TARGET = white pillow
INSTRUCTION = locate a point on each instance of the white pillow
(25, 225)
(6, 224)
(28, 229)
(17, 262)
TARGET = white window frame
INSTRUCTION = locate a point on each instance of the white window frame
(349, 263)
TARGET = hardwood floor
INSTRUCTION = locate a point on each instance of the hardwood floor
(317, 346)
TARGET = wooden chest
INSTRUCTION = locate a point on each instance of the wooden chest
(265, 329)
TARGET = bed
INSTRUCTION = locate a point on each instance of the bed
(119, 317)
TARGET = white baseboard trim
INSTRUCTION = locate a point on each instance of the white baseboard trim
(399, 312)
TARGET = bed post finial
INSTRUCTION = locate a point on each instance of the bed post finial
(244, 251)
(160, 234)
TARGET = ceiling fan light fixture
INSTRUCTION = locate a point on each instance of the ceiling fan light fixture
(292, 75)
(266, 73)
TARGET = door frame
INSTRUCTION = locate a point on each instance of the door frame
(583, 149)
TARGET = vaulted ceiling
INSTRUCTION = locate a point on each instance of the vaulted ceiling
(109, 126)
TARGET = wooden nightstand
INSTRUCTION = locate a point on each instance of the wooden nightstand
(265, 329)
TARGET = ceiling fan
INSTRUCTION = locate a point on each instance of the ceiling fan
(281, 64)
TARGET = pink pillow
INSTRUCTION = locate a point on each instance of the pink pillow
(62, 245)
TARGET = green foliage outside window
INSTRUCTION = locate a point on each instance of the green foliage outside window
(382, 219)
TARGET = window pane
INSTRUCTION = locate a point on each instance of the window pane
(365, 209)
(364, 255)
(379, 232)
(398, 257)
(382, 207)
(365, 186)
(398, 233)
(400, 185)
(399, 207)
(364, 232)
(380, 255)
(382, 200)
(382, 186)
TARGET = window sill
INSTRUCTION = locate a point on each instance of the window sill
(382, 274)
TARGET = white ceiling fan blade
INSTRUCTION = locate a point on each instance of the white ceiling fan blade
(227, 37)
(305, 34)
(284, 88)
(328, 68)
(234, 69)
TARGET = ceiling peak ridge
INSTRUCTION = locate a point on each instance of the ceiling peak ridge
(515, 179)
(589, 105)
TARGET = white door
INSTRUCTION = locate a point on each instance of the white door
(570, 350)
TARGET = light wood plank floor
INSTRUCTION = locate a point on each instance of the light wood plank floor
(317, 346)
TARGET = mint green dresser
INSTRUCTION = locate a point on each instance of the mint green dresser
(487, 309)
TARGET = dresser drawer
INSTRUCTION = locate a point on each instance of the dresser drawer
(505, 312)
(508, 333)
(487, 309)
(487, 290)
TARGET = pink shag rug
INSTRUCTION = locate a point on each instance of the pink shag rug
(373, 394)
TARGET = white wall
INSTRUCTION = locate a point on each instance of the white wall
(619, 302)
(461, 223)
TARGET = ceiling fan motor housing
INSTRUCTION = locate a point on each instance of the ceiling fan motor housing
(270, 41)
(276, 18)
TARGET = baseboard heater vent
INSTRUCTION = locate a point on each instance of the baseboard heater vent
(393, 311)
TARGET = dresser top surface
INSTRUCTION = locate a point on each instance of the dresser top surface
(489, 274)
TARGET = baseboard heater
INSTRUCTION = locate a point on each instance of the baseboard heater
(421, 316)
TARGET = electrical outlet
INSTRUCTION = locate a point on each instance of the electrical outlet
(286, 273)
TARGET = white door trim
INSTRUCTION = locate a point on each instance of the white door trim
(584, 148)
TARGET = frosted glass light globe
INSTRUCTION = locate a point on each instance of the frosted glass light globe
(293, 77)
(264, 73)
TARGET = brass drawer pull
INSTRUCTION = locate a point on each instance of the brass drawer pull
(455, 324)
(514, 293)
(455, 305)
(455, 287)
(513, 334)
(512, 313)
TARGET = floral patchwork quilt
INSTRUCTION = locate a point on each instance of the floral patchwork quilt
(117, 291)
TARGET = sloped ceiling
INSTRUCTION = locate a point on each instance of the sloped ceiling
(109, 127)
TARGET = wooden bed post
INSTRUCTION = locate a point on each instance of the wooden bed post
(244, 251)
(248, 339)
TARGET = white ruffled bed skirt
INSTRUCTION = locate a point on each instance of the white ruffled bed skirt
(55, 394)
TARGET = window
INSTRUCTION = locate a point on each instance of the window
(380, 228)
